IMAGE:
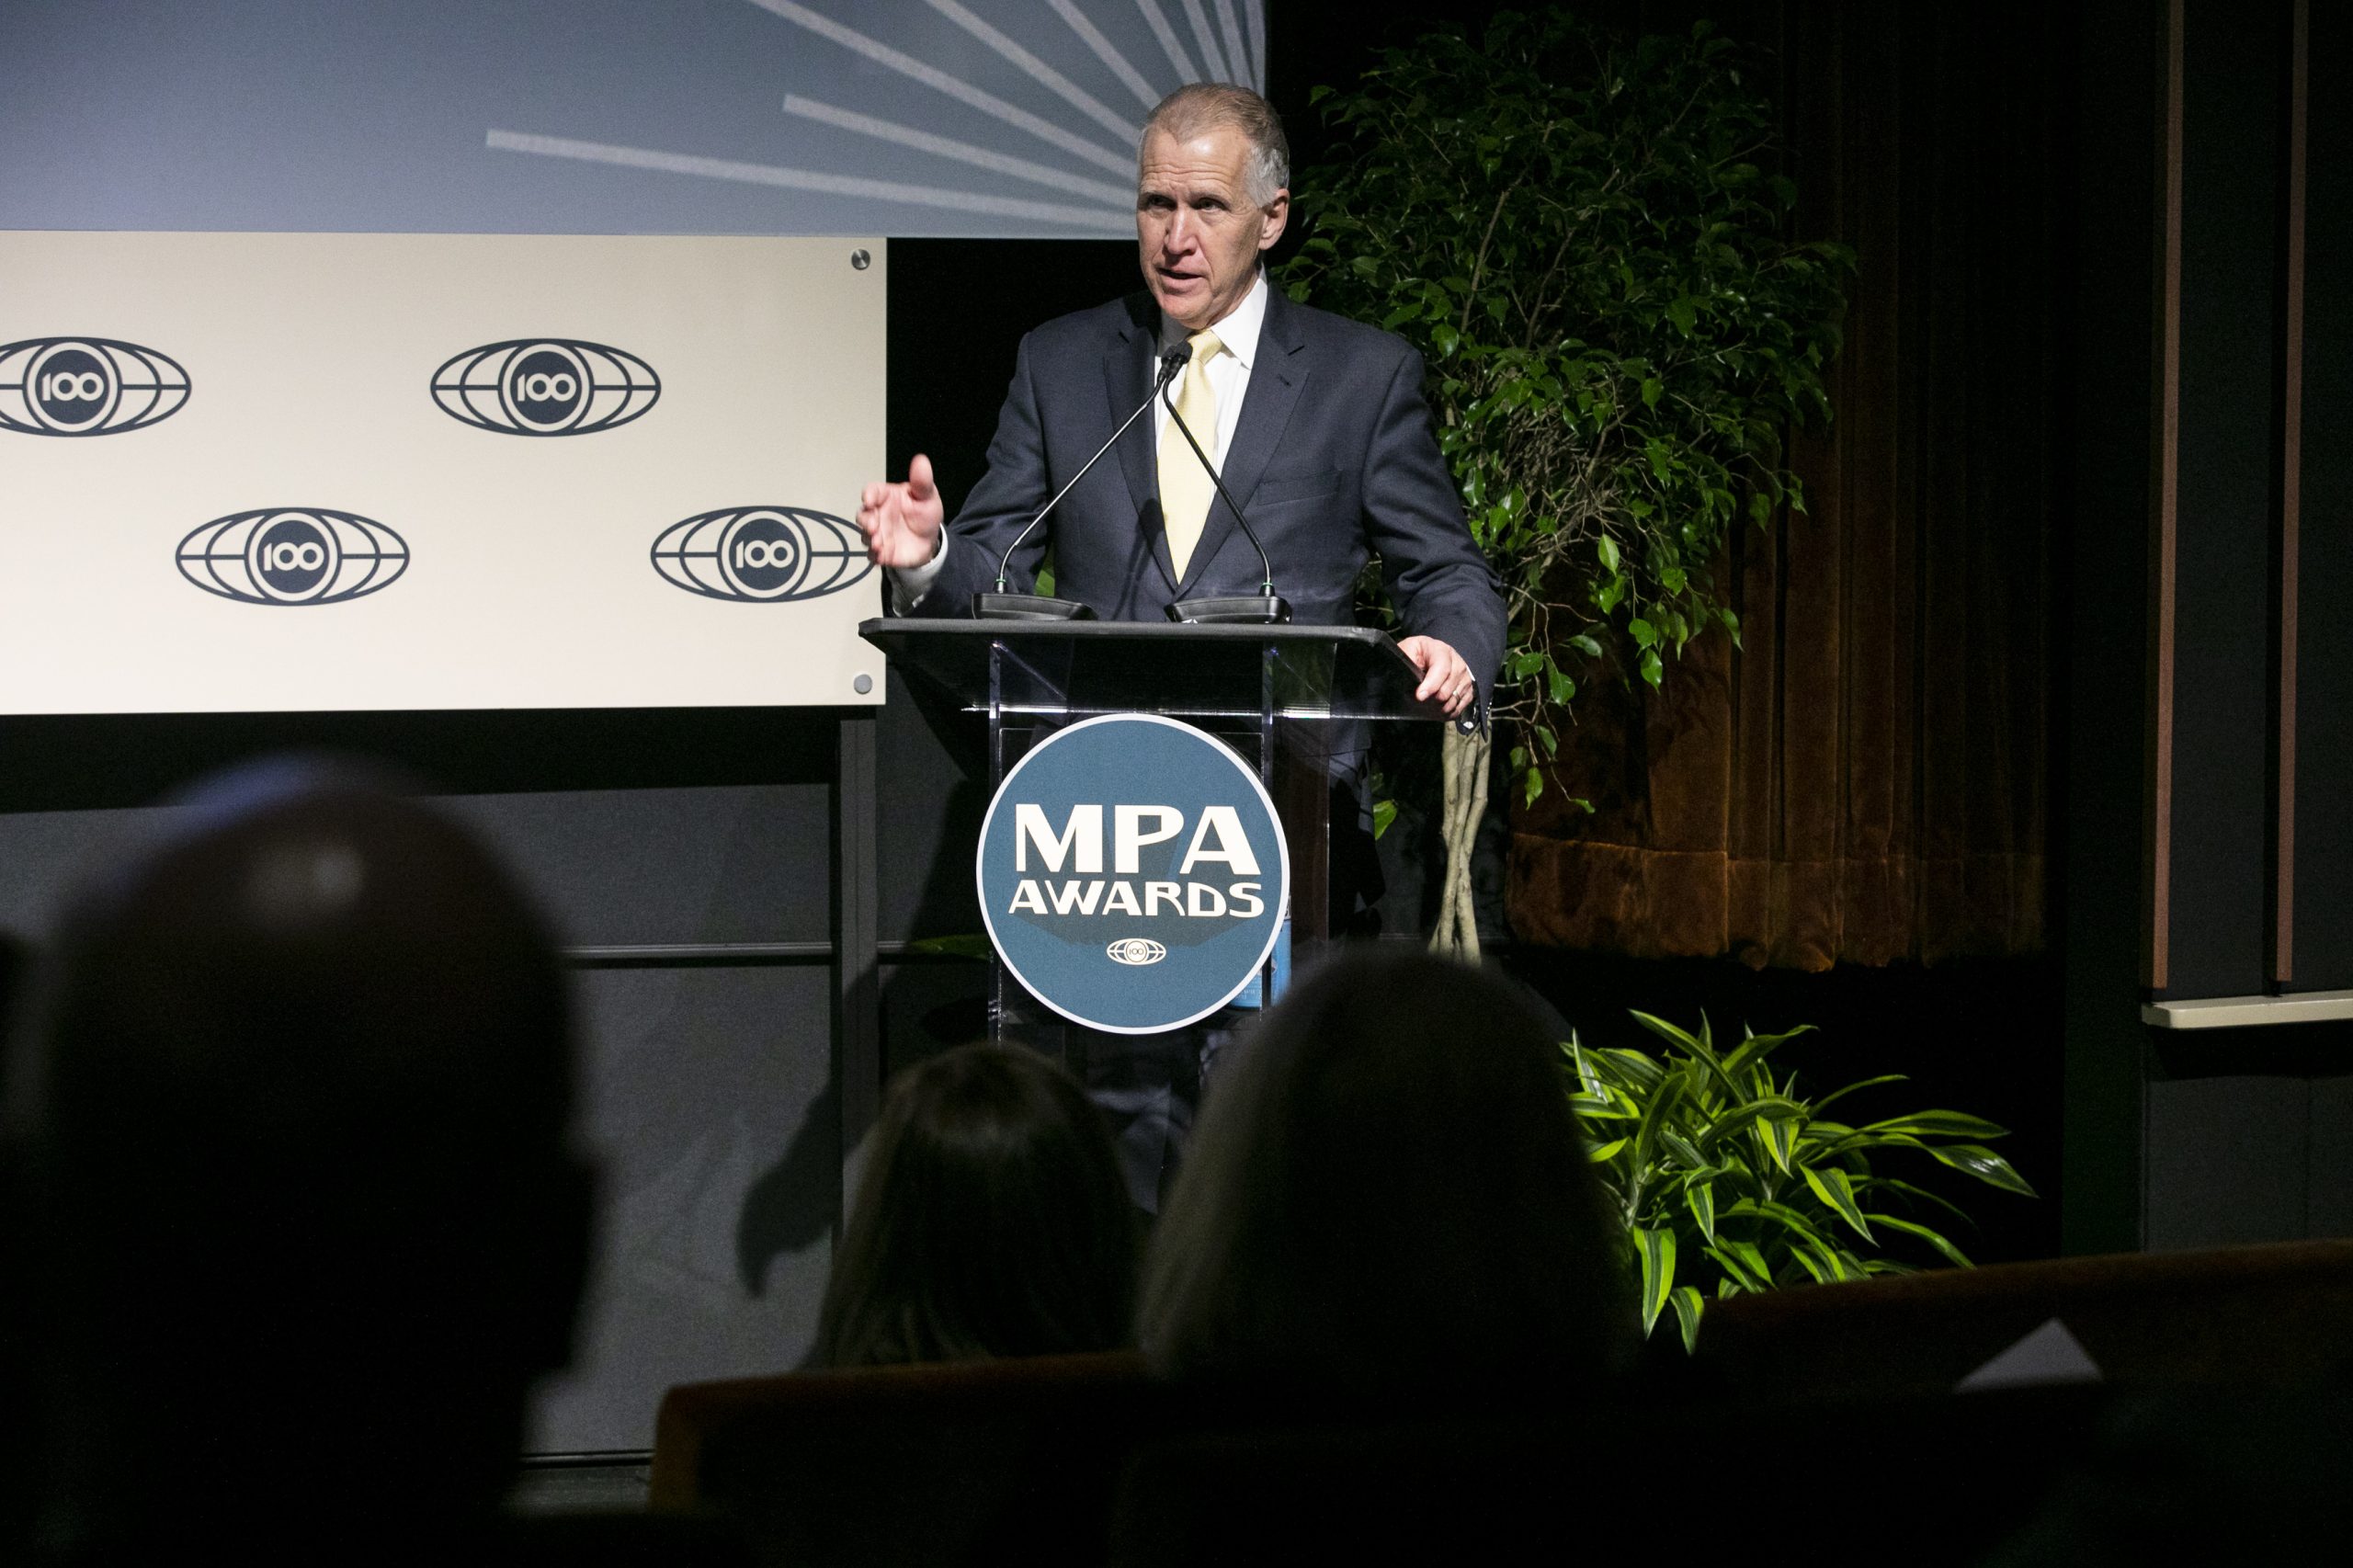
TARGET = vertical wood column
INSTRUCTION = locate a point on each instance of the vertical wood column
(2282, 930)
(2164, 458)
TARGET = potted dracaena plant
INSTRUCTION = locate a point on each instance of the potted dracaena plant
(1729, 1179)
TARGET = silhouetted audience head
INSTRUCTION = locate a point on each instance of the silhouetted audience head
(1388, 1191)
(990, 1221)
(291, 1129)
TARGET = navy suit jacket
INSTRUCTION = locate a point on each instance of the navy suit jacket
(1334, 457)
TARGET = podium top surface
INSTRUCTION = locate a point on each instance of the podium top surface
(1108, 667)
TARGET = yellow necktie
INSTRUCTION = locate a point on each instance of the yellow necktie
(1185, 488)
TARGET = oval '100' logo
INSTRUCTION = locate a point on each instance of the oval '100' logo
(545, 386)
(292, 555)
(86, 386)
(762, 554)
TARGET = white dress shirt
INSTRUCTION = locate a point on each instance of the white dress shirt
(1228, 376)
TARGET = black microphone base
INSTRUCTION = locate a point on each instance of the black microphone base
(1252, 610)
(1028, 606)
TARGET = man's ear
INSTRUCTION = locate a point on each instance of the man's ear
(1271, 220)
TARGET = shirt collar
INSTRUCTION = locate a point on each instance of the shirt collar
(1238, 331)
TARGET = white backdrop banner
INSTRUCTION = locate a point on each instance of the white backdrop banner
(250, 473)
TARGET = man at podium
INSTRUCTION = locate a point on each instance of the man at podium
(1315, 425)
(1316, 430)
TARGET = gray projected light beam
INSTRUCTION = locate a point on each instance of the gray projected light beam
(940, 81)
(1092, 36)
(1230, 29)
(1037, 70)
(1157, 21)
(1118, 198)
(1206, 40)
(1093, 220)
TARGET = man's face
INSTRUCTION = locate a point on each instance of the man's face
(1196, 230)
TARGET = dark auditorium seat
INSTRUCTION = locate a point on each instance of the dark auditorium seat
(1011, 1460)
(2250, 1317)
(1620, 1478)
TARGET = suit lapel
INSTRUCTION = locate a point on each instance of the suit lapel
(1276, 380)
(1127, 376)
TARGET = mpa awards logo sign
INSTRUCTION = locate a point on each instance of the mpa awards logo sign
(86, 386)
(292, 556)
(762, 554)
(545, 386)
(1132, 873)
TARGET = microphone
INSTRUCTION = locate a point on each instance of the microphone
(1264, 609)
(1003, 606)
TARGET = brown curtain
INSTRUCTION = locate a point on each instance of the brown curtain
(1866, 778)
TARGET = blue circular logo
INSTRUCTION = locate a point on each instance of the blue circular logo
(292, 557)
(73, 388)
(546, 387)
(1132, 873)
(762, 555)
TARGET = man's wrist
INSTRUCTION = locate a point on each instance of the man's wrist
(910, 583)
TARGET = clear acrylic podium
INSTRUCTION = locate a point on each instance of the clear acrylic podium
(1288, 700)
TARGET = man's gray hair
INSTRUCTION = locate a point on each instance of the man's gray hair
(1200, 106)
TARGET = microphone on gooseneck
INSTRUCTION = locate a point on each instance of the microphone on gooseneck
(1002, 606)
(1265, 607)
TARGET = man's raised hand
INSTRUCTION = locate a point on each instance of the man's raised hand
(902, 522)
(1444, 675)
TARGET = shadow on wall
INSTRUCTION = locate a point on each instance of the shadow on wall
(935, 769)
(793, 1204)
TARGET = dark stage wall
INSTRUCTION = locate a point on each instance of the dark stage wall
(2209, 752)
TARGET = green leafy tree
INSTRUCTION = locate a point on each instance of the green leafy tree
(1590, 243)
(1726, 1177)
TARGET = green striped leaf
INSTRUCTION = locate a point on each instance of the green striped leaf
(1940, 1124)
(1656, 1249)
(1655, 1119)
(1666, 1030)
(1682, 1149)
(1778, 1136)
(1800, 1230)
(1833, 1187)
(1628, 1067)
(1588, 1075)
(1933, 1238)
(1982, 1162)
(1878, 1183)
(1756, 1048)
(1701, 1198)
(1866, 1084)
(1742, 1263)
(1733, 1120)
(1701, 1047)
(1688, 1305)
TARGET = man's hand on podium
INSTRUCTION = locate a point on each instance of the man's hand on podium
(902, 522)
(1444, 675)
